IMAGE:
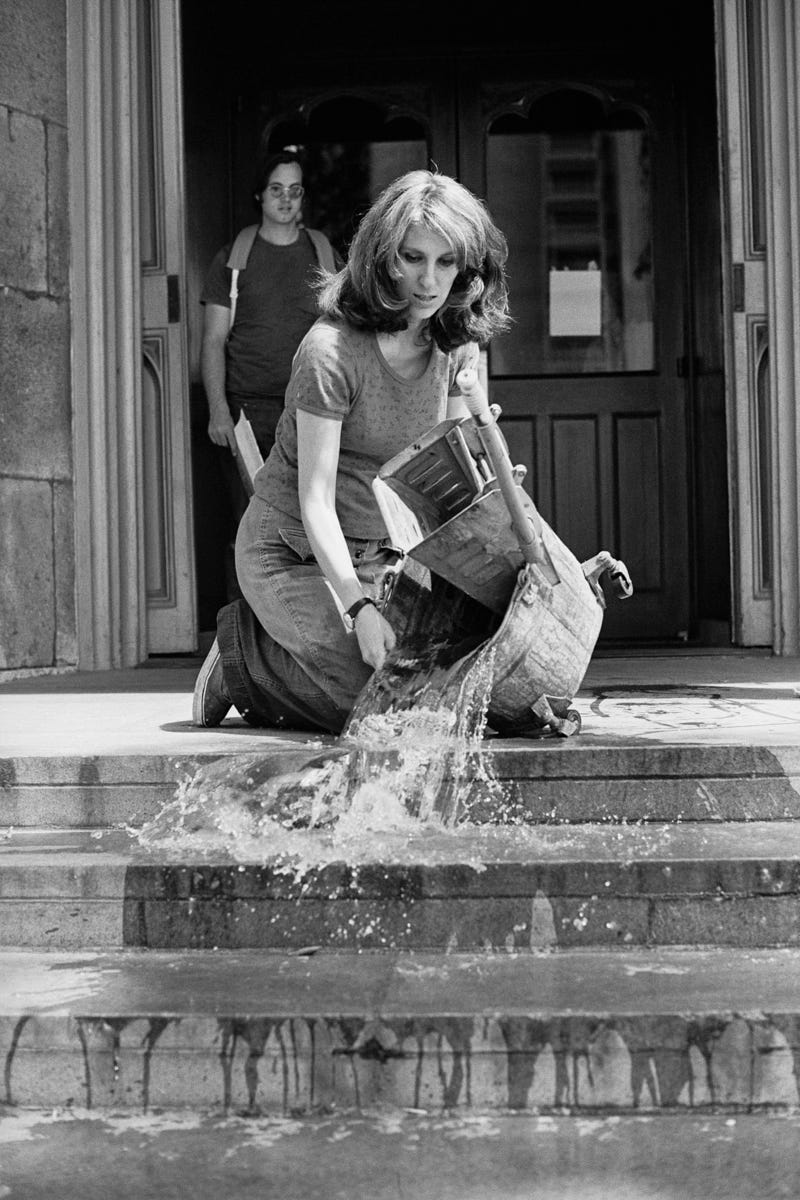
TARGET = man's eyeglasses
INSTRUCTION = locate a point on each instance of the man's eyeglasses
(294, 191)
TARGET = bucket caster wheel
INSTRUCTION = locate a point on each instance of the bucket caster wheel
(562, 726)
(569, 724)
(621, 584)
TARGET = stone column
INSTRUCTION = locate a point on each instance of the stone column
(780, 20)
(37, 582)
(106, 357)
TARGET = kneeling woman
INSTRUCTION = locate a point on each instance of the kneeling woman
(423, 289)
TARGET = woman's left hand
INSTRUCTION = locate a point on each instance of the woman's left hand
(375, 636)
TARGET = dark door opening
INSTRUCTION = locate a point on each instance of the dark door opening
(610, 382)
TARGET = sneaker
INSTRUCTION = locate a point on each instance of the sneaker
(210, 703)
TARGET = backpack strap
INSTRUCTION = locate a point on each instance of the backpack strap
(243, 244)
(323, 249)
(237, 261)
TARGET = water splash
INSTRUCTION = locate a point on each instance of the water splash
(405, 767)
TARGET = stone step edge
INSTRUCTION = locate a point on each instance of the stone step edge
(653, 1033)
(364, 1154)
(554, 758)
(112, 807)
(595, 983)
(634, 845)
(58, 897)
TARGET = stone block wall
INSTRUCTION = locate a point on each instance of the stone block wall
(37, 602)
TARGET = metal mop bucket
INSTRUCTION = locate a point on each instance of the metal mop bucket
(453, 502)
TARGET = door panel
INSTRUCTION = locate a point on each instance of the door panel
(168, 534)
(601, 473)
(745, 303)
(586, 186)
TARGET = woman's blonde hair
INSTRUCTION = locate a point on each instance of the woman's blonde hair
(364, 292)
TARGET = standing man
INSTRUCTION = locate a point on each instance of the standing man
(258, 305)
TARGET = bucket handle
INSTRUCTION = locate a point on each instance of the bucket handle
(530, 542)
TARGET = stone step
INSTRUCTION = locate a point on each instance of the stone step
(170, 1155)
(298, 1036)
(90, 792)
(549, 781)
(485, 887)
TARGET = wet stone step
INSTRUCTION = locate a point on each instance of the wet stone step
(472, 888)
(98, 791)
(95, 806)
(568, 1033)
(591, 782)
(549, 781)
(570, 801)
(358, 1156)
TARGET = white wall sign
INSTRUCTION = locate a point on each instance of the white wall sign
(575, 306)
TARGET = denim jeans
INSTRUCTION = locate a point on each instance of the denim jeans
(287, 657)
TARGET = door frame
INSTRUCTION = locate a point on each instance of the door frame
(758, 79)
(106, 338)
(102, 111)
(746, 325)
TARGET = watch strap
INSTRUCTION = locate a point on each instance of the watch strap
(356, 608)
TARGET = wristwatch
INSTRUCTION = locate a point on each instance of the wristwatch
(349, 617)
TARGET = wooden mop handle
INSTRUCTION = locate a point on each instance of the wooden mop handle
(475, 397)
(477, 404)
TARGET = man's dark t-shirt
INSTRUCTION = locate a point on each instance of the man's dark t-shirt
(275, 308)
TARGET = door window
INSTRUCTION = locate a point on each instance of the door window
(353, 148)
(570, 187)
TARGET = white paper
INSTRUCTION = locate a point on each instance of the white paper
(575, 304)
(249, 454)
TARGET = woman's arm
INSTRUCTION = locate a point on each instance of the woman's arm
(318, 460)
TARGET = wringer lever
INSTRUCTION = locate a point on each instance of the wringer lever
(530, 542)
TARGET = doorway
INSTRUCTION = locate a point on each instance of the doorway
(581, 145)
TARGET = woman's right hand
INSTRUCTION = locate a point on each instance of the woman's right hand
(375, 636)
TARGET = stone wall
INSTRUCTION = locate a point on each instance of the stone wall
(37, 603)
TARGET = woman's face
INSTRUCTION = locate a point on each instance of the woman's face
(428, 269)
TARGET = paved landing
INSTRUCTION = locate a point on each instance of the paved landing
(735, 698)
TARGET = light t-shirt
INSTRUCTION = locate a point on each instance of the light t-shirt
(339, 372)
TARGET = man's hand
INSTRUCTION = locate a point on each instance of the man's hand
(216, 320)
(220, 429)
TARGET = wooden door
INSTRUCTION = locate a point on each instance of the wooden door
(166, 487)
(586, 185)
(745, 303)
